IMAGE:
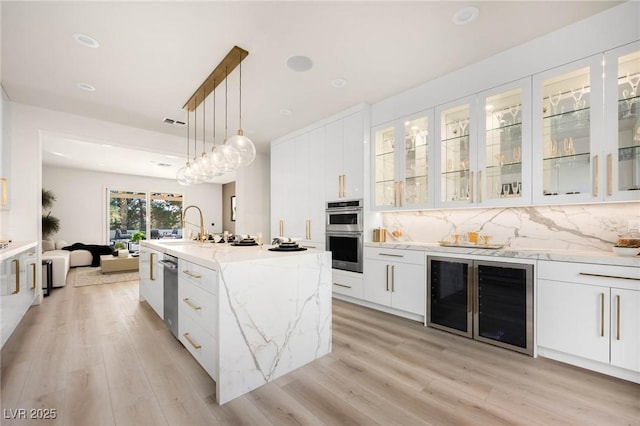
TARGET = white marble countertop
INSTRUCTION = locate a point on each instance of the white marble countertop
(211, 255)
(596, 257)
(15, 248)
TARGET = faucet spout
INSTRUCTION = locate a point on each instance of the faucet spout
(184, 222)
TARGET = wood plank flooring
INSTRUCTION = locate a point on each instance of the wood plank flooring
(100, 357)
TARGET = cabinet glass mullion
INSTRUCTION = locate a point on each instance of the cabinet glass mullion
(566, 133)
(455, 176)
(629, 122)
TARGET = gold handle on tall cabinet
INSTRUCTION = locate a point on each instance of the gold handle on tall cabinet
(617, 317)
(4, 191)
(308, 228)
(281, 228)
(610, 175)
(602, 314)
(395, 193)
(16, 263)
(471, 188)
(151, 276)
(480, 186)
(344, 186)
(195, 345)
(387, 277)
(33, 282)
(393, 278)
(596, 175)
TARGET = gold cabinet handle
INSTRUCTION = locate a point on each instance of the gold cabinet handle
(602, 314)
(344, 186)
(151, 274)
(342, 285)
(16, 263)
(195, 345)
(191, 274)
(390, 255)
(308, 229)
(401, 197)
(480, 186)
(191, 305)
(339, 186)
(395, 193)
(617, 277)
(617, 317)
(387, 277)
(4, 191)
(281, 228)
(33, 283)
(471, 188)
(596, 175)
(393, 278)
(610, 175)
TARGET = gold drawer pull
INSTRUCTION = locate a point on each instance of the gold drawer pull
(342, 285)
(191, 274)
(33, 284)
(16, 262)
(191, 305)
(195, 345)
(608, 276)
(390, 255)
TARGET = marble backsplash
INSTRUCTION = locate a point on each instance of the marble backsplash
(592, 227)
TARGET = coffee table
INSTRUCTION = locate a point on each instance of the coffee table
(110, 264)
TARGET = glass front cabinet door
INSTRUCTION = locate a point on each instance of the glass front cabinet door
(622, 124)
(567, 112)
(504, 141)
(402, 163)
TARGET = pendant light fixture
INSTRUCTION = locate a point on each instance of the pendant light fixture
(245, 147)
(185, 171)
(194, 177)
(230, 153)
(217, 163)
(204, 167)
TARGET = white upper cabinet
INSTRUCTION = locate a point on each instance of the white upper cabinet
(504, 145)
(568, 133)
(402, 163)
(344, 151)
(622, 124)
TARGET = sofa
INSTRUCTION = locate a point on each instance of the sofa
(63, 259)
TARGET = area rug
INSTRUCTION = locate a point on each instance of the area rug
(84, 276)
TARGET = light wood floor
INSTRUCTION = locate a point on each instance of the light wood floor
(100, 357)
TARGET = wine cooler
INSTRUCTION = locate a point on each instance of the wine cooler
(487, 301)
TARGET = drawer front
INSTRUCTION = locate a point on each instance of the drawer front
(394, 255)
(585, 273)
(200, 344)
(205, 278)
(347, 285)
(198, 304)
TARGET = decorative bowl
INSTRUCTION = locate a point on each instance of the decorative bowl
(626, 251)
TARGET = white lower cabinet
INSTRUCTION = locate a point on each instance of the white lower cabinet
(152, 279)
(347, 283)
(591, 312)
(395, 278)
(198, 314)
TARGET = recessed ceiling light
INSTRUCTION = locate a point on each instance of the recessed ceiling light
(106, 145)
(164, 165)
(299, 63)
(466, 15)
(59, 154)
(172, 156)
(101, 164)
(86, 40)
(285, 111)
(339, 82)
(86, 87)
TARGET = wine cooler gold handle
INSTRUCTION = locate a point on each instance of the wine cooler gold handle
(191, 305)
(151, 274)
(469, 301)
(191, 274)
(4, 191)
(194, 344)
(471, 188)
(281, 228)
(393, 278)
(617, 317)
(387, 277)
(480, 186)
(33, 277)
(602, 314)
(596, 175)
(16, 263)
(610, 175)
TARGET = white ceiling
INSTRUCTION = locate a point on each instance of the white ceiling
(154, 55)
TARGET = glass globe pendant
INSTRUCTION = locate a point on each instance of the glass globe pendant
(243, 145)
(184, 174)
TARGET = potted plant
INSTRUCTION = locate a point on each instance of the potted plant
(50, 224)
(117, 247)
(134, 242)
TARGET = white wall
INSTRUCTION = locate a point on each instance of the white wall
(81, 204)
(253, 197)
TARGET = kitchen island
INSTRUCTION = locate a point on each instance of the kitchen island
(248, 315)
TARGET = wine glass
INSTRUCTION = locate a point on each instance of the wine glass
(626, 95)
(500, 158)
(500, 117)
(633, 81)
(568, 146)
(514, 112)
(516, 154)
(514, 188)
(554, 100)
(577, 96)
(463, 126)
(505, 189)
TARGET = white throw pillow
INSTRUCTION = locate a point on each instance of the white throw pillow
(60, 244)
(48, 245)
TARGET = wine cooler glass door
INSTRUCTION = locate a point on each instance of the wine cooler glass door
(449, 291)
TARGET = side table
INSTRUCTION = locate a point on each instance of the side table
(48, 269)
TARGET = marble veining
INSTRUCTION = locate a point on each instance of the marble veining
(593, 227)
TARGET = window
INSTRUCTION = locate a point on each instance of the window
(128, 213)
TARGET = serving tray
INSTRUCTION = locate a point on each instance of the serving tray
(468, 245)
(252, 243)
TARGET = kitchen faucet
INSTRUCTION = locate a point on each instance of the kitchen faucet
(202, 237)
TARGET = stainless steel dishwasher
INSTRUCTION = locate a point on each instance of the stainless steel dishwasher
(170, 276)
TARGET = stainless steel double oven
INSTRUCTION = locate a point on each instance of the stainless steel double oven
(344, 230)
